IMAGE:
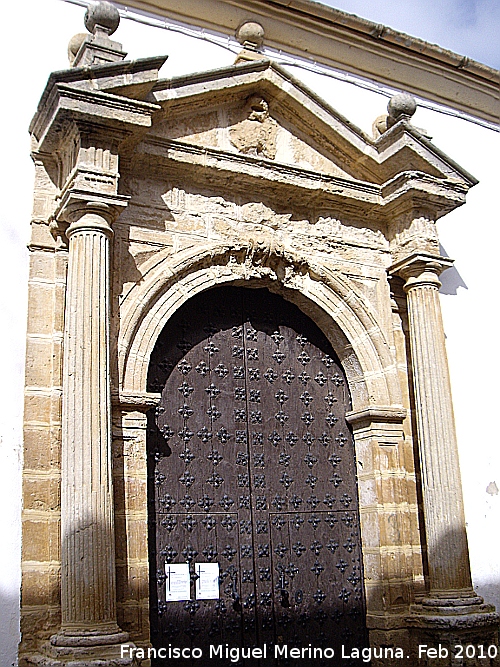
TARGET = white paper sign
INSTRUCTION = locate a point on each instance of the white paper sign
(177, 583)
(207, 584)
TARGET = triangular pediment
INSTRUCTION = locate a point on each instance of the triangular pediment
(255, 126)
(252, 126)
(259, 110)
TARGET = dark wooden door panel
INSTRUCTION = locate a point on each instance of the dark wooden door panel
(253, 467)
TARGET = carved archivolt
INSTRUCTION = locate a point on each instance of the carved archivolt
(327, 296)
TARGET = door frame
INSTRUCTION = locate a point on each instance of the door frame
(389, 531)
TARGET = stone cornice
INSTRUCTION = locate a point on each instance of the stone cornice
(377, 414)
(260, 167)
(413, 189)
(344, 41)
(67, 104)
(104, 95)
(404, 192)
(383, 423)
(105, 77)
(135, 401)
(403, 135)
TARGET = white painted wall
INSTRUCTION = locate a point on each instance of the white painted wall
(37, 46)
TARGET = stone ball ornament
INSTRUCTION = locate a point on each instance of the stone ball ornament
(103, 15)
(250, 32)
(74, 45)
(401, 104)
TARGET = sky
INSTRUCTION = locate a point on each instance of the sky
(468, 27)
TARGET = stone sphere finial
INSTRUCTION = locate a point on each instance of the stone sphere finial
(401, 105)
(103, 16)
(74, 45)
(250, 34)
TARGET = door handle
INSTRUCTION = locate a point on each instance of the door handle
(285, 597)
(234, 593)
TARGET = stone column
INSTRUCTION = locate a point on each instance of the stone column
(447, 549)
(88, 587)
(450, 613)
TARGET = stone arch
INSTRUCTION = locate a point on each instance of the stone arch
(341, 312)
(326, 296)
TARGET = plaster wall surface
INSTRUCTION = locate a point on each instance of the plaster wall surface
(468, 235)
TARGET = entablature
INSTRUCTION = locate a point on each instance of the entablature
(249, 127)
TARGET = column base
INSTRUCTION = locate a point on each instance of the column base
(85, 649)
(88, 638)
(447, 632)
(101, 656)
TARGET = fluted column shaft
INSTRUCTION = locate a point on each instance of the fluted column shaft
(448, 556)
(88, 586)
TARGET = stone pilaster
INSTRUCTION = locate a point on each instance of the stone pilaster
(451, 605)
(88, 577)
(388, 522)
(130, 477)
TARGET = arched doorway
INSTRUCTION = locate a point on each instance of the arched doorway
(252, 471)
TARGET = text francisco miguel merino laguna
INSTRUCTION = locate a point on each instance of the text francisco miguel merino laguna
(234, 653)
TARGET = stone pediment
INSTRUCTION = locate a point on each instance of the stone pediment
(253, 126)
(258, 109)
(250, 124)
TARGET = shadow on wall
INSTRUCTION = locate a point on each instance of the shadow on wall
(489, 589)
(450, 279)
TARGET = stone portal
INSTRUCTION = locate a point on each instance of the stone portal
(148, 194)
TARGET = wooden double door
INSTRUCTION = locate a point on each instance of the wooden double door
(252, 467)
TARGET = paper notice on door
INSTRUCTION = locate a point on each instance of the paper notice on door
(207, 583)
(177, 582)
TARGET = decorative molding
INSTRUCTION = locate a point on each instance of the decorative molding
(380, 423)
(63, 104)
(344, 41)
(135, 401)
(413, 268)
(77, 199)
(377, 414)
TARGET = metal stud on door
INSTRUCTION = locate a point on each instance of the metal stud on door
(252, 467)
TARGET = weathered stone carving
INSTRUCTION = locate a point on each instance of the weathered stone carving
(256, 134)
(401, 106)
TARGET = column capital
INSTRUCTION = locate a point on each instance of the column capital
(383, 423)
(135, 401)
(421, 268)
(87, 210)
(377, 414)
